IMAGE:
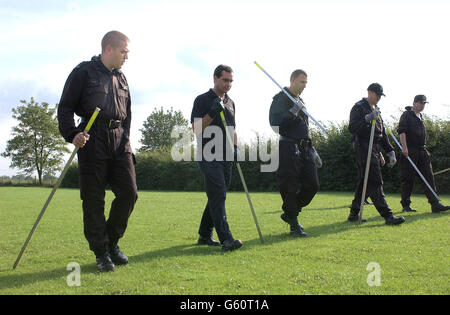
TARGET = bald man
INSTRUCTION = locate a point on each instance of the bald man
(104, 156)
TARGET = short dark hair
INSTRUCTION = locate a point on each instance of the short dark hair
(113, 38)
(298, 72)
(220, 68)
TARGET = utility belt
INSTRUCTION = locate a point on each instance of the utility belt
(302, 143)
(106, 123)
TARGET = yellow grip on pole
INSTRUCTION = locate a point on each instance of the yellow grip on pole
(91, 121)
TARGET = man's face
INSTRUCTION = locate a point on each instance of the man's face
(224, 83)
(298, 84)
(373, 97)
(119, 55)
(419, 106)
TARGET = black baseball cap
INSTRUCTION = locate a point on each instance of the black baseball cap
(420, 98)
(376, 88)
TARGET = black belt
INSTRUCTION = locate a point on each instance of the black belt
(107, 123)
(301, 143)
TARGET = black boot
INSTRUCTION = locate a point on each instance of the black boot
(391, 220)
(116, 254)
(295, 227)
(297, 231)
(354, 216)
(231, 244)
(408, 209)
(207, 241)
(437, 207)
(104, 263)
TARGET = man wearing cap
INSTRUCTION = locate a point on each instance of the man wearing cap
(361, 116)
(412, 133)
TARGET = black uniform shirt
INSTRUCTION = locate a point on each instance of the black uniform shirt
(202, 106)
(361, 129)
(290, 126)
(413, 127)
(92, 85)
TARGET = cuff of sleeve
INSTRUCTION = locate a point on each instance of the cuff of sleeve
(72, 135)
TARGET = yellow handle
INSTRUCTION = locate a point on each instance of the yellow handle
(91, 121)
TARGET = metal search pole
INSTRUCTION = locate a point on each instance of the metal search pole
(366, 174)
(41, 214)
(413, 165)
(241, 175)
(300, 104)
(441, 172)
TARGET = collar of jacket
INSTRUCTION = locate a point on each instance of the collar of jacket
(213, 95)
(96, 60)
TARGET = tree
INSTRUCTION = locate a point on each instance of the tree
(157, 129)
(36, 144)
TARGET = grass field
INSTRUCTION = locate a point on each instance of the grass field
(160, 241)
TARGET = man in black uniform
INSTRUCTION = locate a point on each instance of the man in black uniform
(412, 137)
(297, 171)
(216, 164)
(361, 116)
(105, 156)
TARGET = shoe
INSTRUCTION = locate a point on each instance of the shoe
(207, 241)
(438, 207)
(104, 263)
(290, 221)
(117, 256)
(391, 220)
(408, 209)
(297, 231)
(231, 244)
(354, 217)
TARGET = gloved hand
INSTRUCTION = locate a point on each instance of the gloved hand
(295, 110)
(216, 108)
(373, 115)
(316, 158)
(237, 154)
(392, 159)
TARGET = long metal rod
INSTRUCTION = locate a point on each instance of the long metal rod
(441, 172)
(366, 173)
(413, 165)
(300, 104)
(241, 175)
(63, 173)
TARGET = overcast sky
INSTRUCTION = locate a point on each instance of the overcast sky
(175, 46)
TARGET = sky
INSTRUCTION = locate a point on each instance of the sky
(175, 46)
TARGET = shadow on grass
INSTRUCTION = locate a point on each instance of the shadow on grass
(19, 280)
(342, 226)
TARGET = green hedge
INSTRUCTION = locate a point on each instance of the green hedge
(157, 170)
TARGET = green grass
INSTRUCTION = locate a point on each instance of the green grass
(160, 242)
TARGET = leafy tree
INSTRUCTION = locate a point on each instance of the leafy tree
(36, 144)
(157, 129)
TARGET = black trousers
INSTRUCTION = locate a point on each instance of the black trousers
(297, 177)
(217, 175)
(421, 159)
(98, 168)
(374, 188)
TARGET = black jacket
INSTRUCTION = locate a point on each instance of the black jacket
(361, 129)
(92, 85)
(413, 127)
(290, 126)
